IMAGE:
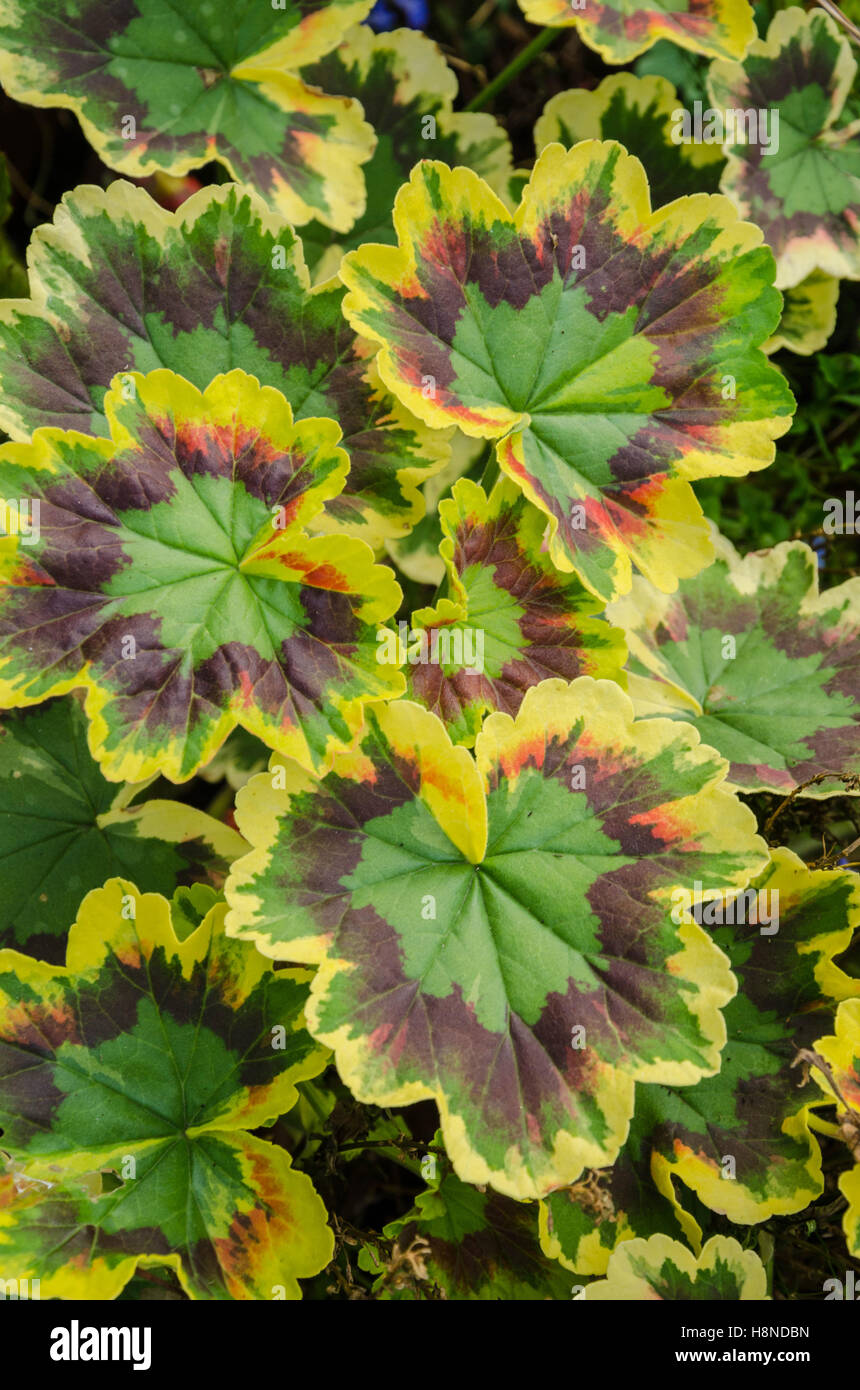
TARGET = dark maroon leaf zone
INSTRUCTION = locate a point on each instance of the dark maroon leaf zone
(767, 83)
(631, 1009)
(505, 1245)
(86, 45)
(86, 59)
(505, 1076)
(274, 475)
(28, 1096)
(628, 1011)
(328, 831)
(776, 1012)
(620, 790)
(160, 690)
(834, 643)
(417, 1031)
(447, 695)
(76, 1229)
(837, 647)
(530, 1067)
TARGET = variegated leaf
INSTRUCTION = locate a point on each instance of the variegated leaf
(497, 934)
(160, 88)
(148, 1059)
(803, 189)
(120, 285)
(168, 573)
(765, 666)
(592, 338)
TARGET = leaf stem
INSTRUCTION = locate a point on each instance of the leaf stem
(847, 780)
(824, 1127)
(400, 1142)
(308, 1092)
(491, 470)
(835, 13)
(516, 65)
(221, 802)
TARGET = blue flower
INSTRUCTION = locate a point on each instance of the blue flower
(398, 14)
(819, 545)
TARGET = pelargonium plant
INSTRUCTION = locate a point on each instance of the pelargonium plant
(429, 651)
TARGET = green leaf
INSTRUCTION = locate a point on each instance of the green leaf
(839, 1079)
(171, 576)
(637, 112)
(621, 29)
(120, 284)
(417, 555)
(805, 194)
(237, 760)
(407, 92)
(592, 339)
(151, 1058)
(661, 1268)
(509, 619)
(756, 1110)
(496, 934)
(581, 1225)
(64, 830)
(849, 1186)
(159, 88)
(765, 667)
(808, 315)
(462, 1243)
(741, 1139)
(685, 70)
(189, 905)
